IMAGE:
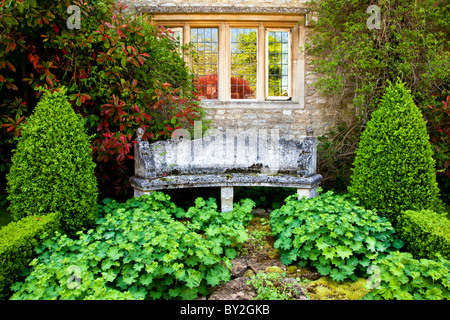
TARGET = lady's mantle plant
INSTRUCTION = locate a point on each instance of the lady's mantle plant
(331, 233)
(52, 167)
(401, 277)
(225, 229)
(137, 251)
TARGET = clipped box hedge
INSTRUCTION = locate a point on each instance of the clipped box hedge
(425, 233)
(17, 242)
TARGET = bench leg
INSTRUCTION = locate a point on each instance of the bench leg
(226, 198)
(308, 193)
(138, 193)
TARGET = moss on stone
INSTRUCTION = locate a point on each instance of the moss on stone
(249, 273)
(294, 270)
(274, 269)
(327, 289)
(273, 253)
(291, 269)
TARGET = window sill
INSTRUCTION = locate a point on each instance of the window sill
(251, 104)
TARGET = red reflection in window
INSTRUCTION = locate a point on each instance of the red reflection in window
(207, 88)
(240, 89)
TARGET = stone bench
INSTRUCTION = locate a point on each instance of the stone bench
(241, 158)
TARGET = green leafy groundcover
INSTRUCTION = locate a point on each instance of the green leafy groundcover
(399, 276)
(139, 250)
(333, 234)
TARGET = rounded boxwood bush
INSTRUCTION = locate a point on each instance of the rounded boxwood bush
(394, 169)
(425, 233)
(17, 242)
(52, 168)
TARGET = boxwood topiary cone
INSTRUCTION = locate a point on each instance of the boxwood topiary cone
(52, 168)
(394, 169)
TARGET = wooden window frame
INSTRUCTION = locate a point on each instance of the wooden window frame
(215, 65)
(262, 23)
(258, 59)
(266, 71)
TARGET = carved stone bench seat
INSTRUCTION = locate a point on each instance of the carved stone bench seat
(244, 159)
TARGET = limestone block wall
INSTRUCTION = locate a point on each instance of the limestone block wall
(290, 121)
(291, 118)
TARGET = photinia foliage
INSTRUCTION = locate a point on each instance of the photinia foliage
(121, 70)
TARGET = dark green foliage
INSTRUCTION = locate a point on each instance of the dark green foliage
(336, 153)
(137, 251)
(17, 241)
(425, 233)
(52, 167)
(410, 43)
(264, 197)
(354, 63)
(394, 169)
(437, 116)
(399, 276)
(331, 233)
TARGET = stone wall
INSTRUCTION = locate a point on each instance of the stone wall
(291, 118)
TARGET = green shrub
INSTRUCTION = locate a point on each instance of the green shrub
(17, 241)
(331, 233)
(394, 169)
(52, 167)
(425, 233)
(138, 249)
(401, 277)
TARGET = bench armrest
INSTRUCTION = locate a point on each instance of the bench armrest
(307, 160)
(144, 163)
